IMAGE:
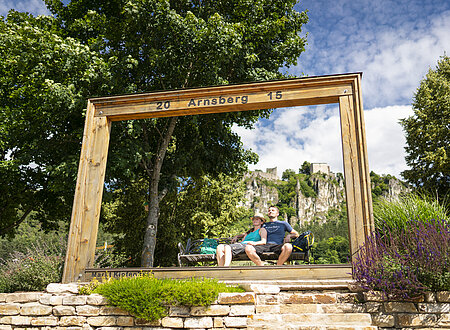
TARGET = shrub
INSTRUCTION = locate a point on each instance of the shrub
(147, 297)
(406, 262)
(30, 271)
(32, 258)
(333, 250)
(395, 214)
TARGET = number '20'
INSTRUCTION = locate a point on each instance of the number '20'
(162, 105)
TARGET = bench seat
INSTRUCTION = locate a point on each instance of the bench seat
(190, 254)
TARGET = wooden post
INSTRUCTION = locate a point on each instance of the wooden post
(88, 196)
(368, 221)
(356, 169)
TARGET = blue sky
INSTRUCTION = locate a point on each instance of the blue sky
(394, 44)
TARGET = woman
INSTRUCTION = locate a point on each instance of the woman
(255, 236)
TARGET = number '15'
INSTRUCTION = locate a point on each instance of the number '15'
(277, 95)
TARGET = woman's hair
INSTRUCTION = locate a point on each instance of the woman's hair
(251, 229)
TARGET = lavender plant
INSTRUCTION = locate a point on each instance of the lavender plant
(405, 262)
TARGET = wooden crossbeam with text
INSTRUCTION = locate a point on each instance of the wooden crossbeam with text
(253, 96)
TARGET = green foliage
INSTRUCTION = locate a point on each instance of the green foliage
(396, 214)
(427, 133)
(380, 184)
(287, 191)
(49, 66)
(334, 250)
(45, 79)
(32, 258)
(148, 298)
(336, 225)
(305, 168)
(331, 237)
(32, 271)
(159, 45)
(306, 189)
(30, 233)
(241, 225)
(202, 207)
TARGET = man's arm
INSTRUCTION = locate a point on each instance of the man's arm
(291, 235)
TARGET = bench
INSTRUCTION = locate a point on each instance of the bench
(190, 254)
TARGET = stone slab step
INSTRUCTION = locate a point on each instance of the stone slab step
(311, 327)
(298, 285)
(311, 319)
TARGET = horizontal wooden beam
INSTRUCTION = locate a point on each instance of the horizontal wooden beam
(295, 272)
(253, 96)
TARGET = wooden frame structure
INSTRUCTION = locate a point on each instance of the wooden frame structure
(344, 89)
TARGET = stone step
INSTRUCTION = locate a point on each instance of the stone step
(315, 308)
(298, 285)
(293, 321)
(311, 327)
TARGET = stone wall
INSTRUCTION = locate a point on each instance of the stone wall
(264, 307)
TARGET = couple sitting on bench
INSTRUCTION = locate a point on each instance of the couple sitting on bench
(263, 237)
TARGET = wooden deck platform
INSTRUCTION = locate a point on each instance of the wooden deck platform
(292, 273)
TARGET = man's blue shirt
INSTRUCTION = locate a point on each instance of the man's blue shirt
(276, 231)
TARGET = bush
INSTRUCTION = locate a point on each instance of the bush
(147, 297)
(395, 214)
(32, 258)
(406, 262)
(333, 250)
(30, 271)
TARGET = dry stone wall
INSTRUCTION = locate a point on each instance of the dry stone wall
(266, 307)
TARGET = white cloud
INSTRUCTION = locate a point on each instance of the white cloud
(294, 135)
(385, 139)
(394, 55)
(35, 7)
(396, 62)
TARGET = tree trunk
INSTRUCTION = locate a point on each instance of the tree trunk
(148, 250)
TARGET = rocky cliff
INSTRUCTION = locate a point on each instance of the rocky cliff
(329, 189)
(262, 190)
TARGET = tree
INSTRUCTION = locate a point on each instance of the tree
(204, 207)
(44, 81)
(305, 168)
(428, 133)
(158, 45)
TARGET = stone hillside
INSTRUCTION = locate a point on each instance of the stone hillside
(261, 192)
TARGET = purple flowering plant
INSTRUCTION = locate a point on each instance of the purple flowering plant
(405, 262)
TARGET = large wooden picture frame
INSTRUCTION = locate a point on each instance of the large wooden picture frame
(344, 89)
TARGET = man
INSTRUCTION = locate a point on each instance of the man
(275, 239)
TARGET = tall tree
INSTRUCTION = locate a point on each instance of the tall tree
(428, 133)
(44, 81)
(170, 44)
(200, 207)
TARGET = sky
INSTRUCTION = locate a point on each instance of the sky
(393, 44)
